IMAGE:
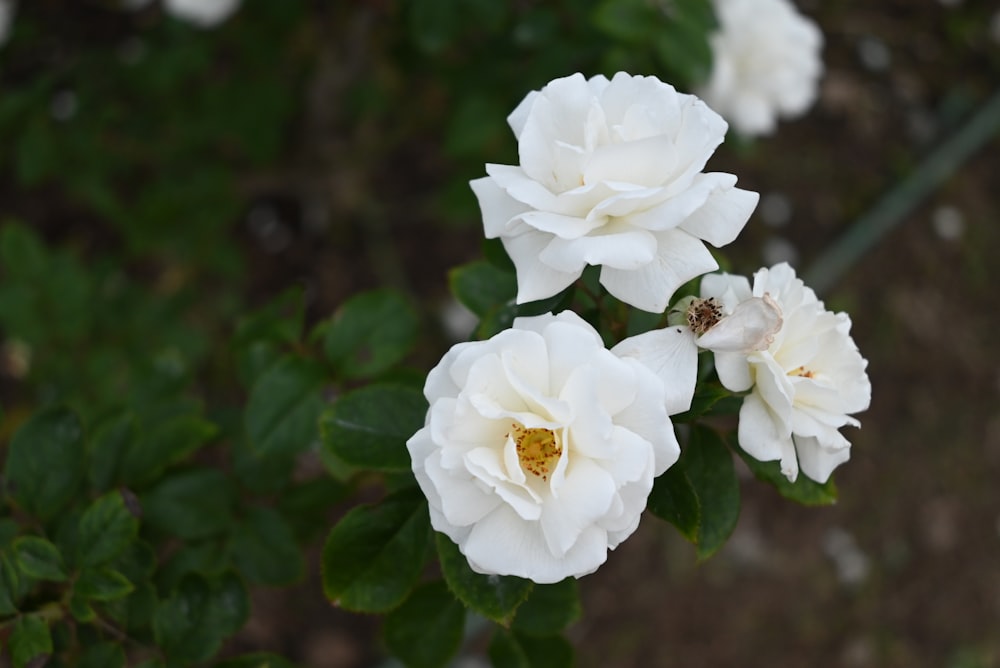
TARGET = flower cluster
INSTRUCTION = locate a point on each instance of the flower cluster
(541, 445)
(765, 64)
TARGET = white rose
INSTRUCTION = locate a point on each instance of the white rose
(7, 8)
(765, 64)
(541, 446)
(202, 13)
(804, 385)
(611, 174)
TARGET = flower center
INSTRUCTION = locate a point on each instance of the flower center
(802, 372)
(703, 314)
(538, 450)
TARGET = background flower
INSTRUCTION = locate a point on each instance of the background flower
(7, 8)
(540, 448)
(804, 386)
(611, 174)
(202, 13)
(765, 64)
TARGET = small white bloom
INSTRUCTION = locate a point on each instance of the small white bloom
(804, 385)
(765, 64)
(7, 8)
(541, 446)
(202, 13)
(611, 174)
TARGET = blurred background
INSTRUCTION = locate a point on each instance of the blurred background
(159, 177)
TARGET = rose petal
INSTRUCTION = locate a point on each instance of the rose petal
(672, 355)
(680, 257)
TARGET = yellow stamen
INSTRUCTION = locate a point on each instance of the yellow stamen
(802, 372)
(538, 450)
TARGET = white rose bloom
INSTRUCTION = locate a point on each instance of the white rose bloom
(611, 174)
(804, 385)
(202, 13)
(765, 64)
(7, 8)
(541, 446)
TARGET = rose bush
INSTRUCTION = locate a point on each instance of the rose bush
(540, 447)
(765, 64)
(804, 385)
(611, 174)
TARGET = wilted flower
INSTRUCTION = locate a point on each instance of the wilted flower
(804, 385)
(611, 174)
(765, 64)
(541, 446)
(727, 324)
(202, 13)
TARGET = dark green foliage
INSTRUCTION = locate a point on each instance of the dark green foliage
(494, 597)
(370, 333)
(374, 555)
(369, 427)
(165, 446)
(425, 631)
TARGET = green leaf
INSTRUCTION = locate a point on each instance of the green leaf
(369, 427)
(628, 20)
(502, 317)
(306, 505)
(426, 631)
(709, 398)
(191, 505)
(80, 609)
(510, 649)
(549, 609)
(492, 596)
(165, 445)
(257, 660)
(22, 252)
(482, 286)
(138, 562)
(39, 559)
(102, 584)
(261, 336)
(45, 462)
(708, 464)
(673, 499)
(374, 554)
(804, 490)
(191, 624)
(683, 48)
(102, 655)
(30, 642)
(284, 407)
(133, 613)
(105, 530)
(9, 585)
(107, 446)
(263, 548)
(207, 558)
(370, 333)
